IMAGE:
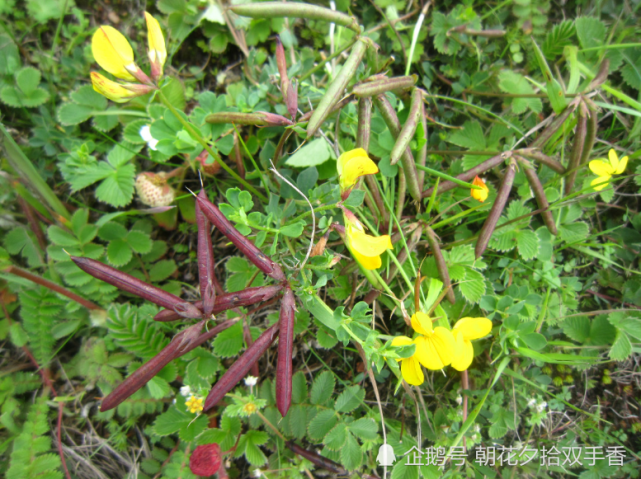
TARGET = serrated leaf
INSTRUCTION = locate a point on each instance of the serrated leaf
(572, 233)
(299, 387)
(297, 417)
(171, 421)
(335, 438)
(249, 443)
(515, 83)
(16, 98)
(471, 136)
(473, 286)
(87, 96)
(73, 114)
(22, 241)
(118, 188)
(119, 253)
(321, 424)
(557, 38)
(61, 237)
(192, 429)
(158, 388)
(404, 471)
(351, 454)
(106, 122)
(229, 342)
(503, 242)
(28, 79)
(140, 242)
(601, 331)
(622, 348)
(577, 328)
(131, 132)
(162, 270)
(364, 428)
(121, 153)
(349, 399)
(323, 388)
(591, 31)
(527, 243)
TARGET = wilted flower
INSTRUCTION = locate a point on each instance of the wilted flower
(479, 195)
(194, 404)
(464, 331)
(351, 165)
(604, 169)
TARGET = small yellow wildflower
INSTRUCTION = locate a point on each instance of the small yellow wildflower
(605, 169)
(118, 92)
(157, 51)
(410, 367)
(249, 408)
(351, 165)
(366, 249)
(479, 195)
(194, 404)
(436, 346)
(464, 331)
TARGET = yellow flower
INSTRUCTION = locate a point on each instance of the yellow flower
(435, 347)
(605, 169)
(157, 51)
(118, 92)
(464, 331)
(113, 53)
(410, 367)
(351, 165)
(194, 404)
(479, 195)
(366, 249)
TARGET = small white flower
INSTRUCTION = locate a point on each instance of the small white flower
(185, 391)
(531, 402)
(145, 134)
(459, 400)
(540, 407)
(258, 473)
(251, 381)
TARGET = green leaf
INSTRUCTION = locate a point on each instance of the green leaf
(535, 341)
(577, 328)
(72, 114)
(554, 90)
(119, 253)
(9, 55)
(22, 241)
(61, 237)
(321, 424)
(622, 348)
(516, 84)
(574, 232)
(87, 96)
(293, 231)
(16, 98)
(351, 454)
(297, 417)
(28, 79)
(323, 388)
(471, 136)
(65, 328)
(121, 153)
(229, 342)
(473, 286)
(556, 39)
(118, 188)
(248, 445)
(591, 32)
(601, 331)
(349, 399)
(171, 421)
(19, 336)
(335, 438)
(158, 388)
(527, 243)
(131, 132)
(314, 153)
(364, 428)
(140, 242)
(403, 471)
(162, 270)
(299, 387)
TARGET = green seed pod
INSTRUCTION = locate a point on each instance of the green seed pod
(542, 158)
(553, 127)
(364, 123)
(495, 213)
(407, 132)
(590, 136)
(377, 87)
(577, 150)
(260, 118)
(539, 194)
(337, 87)
(440, 263)
(296, 10)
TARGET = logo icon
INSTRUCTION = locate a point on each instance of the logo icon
(385, 455)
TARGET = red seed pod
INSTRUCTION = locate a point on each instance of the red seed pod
(241, 367)
(206, 263)
(316, 459)
(577, 149)
(539, 194)
(227, 301)
(495, 213)
(188, 310)
(127, 282)
(543, 159)
(256, 256)
(182, 343)
(247, 336)
(441, 266)
(285, 347)
(206, 460)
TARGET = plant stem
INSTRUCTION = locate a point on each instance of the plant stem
(205, 145)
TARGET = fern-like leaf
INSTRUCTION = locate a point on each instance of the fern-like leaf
(39, 310)
(134, 329)
(559, 37)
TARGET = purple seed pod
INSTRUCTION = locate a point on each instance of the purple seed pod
(182, 343)
(247, 336)
(577, 149)
(206, 263)
(316, 459)
(539, 194)
(590, 136)
(469, 174)
(256, 256)
(542, 158)
(285, 347)
(241, 367)
(441, 266)
(127, 282)
(553, 127)
(223, 302)
(259, 118)
(188, 310)
(495, 213)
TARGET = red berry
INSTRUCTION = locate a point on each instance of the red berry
(205, 460)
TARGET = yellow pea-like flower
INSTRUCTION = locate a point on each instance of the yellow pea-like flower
(479, 195)
(464, 331)
(115, 91)
(366, 249)
(112, 52)
(410, 367)
(604, 169)
(351, 165)
(157, 50)
(435, 347)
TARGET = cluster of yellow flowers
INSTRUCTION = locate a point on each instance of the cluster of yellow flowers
(437, 347)
(113, 53)
(194, 404)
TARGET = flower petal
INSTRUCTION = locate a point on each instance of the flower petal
(437, 350)
(110, 89)
(352, 165)
(473, 328)
(112, 52)
(479, 195)
(412, 372)
(623, 162)
(156, 41)
(367, 262)
(422, 323)
(368, 245)
(601, 168)
(599, 183)
(614, 158)
(464, 353)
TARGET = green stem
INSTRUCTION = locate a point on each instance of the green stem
(448, 177)
(328, 59)
(205, 145)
